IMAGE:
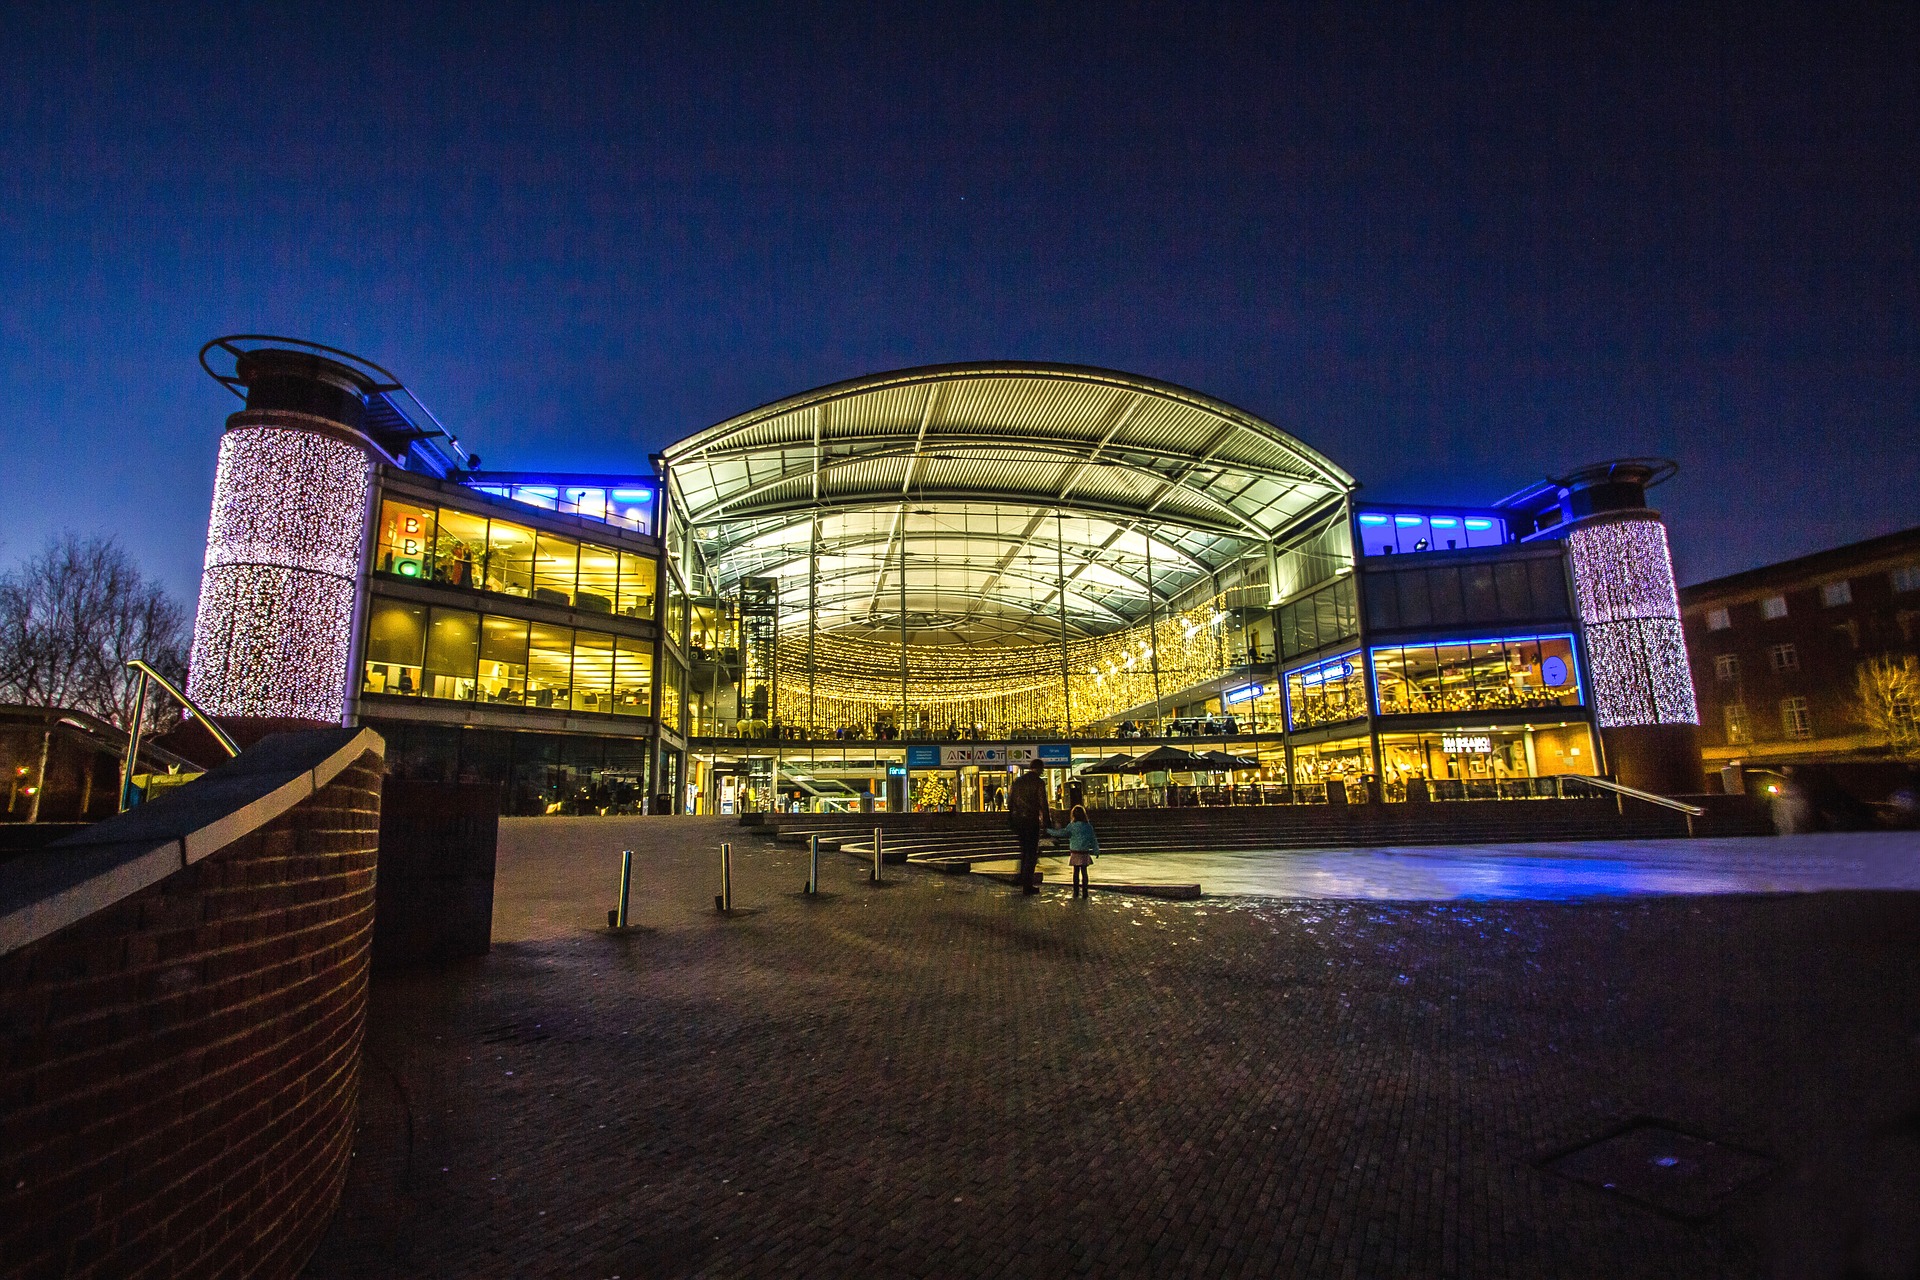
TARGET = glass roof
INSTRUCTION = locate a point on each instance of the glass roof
(1002, 489)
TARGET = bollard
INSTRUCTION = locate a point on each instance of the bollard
(724, 899)
(876, 855)
(617, 918)
(813, 864)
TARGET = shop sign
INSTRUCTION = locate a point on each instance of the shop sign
(1055, 753)
(1554, 672)
(923, 757)
(896, 771)
(1245, 693)
(1460, 744)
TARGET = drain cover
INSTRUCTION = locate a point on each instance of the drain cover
(1663, 1168)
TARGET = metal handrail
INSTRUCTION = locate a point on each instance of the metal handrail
(1635, 793)
(131, 762)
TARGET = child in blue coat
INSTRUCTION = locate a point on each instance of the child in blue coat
(1083, 845)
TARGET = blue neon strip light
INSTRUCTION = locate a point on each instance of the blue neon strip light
(1373, 519)
(1479, 524)
(1405, 520)
(1444, 522)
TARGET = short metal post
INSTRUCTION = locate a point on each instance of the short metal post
(876, 854)
(813, 864)
(626, 888)
(724, 901)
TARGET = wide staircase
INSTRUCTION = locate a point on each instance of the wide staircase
(958, 839)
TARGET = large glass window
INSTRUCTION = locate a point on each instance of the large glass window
(592, 671)
(550, 667)
(453, 653)
(509, 565)
(599, 579)
(503, 659)
(1509, 674)
(638, 576)
(671, 685)
(1484, 754)
(632, 677)
(460, 549)
(1327, 692)
(404, 545)
(459, 655)
(396, 641)
(556, 564)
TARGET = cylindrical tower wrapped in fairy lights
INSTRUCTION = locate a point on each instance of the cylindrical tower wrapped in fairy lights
(1630, 612)
(287, 537)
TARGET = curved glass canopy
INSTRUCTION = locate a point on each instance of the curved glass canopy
(1002, 504)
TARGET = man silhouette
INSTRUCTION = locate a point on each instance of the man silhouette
(1028, 815)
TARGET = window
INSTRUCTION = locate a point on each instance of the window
(1848, 631)
(1327, 693)
(1736, 718)
(509, 565)
(405, 542)
(638, 575)
(599, 579)
(1726, 666)
(460, 549)
(592, 671)
(550, 667)
(1836, 593)
(1794, 718)
(1508, 674)
(632, 677)
(1783, 657)
(1718, 620)
(1905, 578)
(503, 660)
(1773, 607)
(453, 654)
(396, 639)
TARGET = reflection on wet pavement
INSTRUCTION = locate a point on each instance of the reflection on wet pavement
(1537, 872)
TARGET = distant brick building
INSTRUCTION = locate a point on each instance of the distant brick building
(1776, 651)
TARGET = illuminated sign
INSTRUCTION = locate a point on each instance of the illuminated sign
(1245, 693)
(896, 771)
(923, 757)
(1554, 672)
(1338, 669)
(1461, 744)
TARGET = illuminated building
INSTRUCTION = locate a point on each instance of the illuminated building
(1812, 660)
(904, 581)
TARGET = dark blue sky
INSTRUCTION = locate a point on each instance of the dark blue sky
(1453, 249)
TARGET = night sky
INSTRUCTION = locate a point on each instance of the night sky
(1454, 250)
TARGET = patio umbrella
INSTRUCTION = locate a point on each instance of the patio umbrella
(1120, 763)
(1172, 759)
(1220, 761)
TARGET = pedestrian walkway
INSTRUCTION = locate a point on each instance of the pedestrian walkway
(938, 1077)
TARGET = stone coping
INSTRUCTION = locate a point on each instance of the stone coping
(90, 870)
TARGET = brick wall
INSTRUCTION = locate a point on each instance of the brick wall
(178, 1071)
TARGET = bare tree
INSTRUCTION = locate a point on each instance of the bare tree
(71, 618)
(1887, 694)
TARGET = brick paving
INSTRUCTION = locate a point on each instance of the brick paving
(937, 1077)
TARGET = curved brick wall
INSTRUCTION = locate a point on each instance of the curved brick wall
(180, 1067)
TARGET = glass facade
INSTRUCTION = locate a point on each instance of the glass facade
(1508, 674)
(1383, 533)
(538, 773)
(627, 508)
(1485, 754)
(1327, 692)
(459, 655)
(467, 549)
